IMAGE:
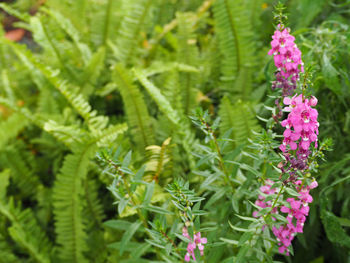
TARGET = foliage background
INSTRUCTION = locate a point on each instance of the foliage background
(126, 75)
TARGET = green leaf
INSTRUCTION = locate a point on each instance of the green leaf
(135, 108)
(128, 235)
(335, 232)
(241, 254)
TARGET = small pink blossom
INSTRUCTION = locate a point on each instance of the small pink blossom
(197, 241)
(296, 212)
(287, 56)
(301, 124)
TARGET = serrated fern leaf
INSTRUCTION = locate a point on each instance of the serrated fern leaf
(11, 127)
(235, 41)
(239, 117)
(135, 108)
(71, 93)
(14, 12)
(69, 135)
(159, 158)
(109, 135)
(68, 204)
(157, 96)
(6, 254)
(129, 33)
(187, 54)
(46, 102)
(181, 125)
(72, 32)
(26, 231)
(21, 174)
(4, 182)
(92, 71)
(94, 215)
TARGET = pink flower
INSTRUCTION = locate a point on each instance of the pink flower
(267, 190)
(287, 56)
(197, 242)
(301, 124)
(296, 216)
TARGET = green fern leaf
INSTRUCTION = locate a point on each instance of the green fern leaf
(135, 108)
(14, 12)
(187, 54)
(26, 231)
(92, 71)
(21, 173)
(180, 124)
(157, 96)
(71, 93)
(239, 117)
(235, 41)
(68, 204)
(129, 33)
(159, 158)
(6, 254)
(72, 32)
(11, 127)
(4, 182)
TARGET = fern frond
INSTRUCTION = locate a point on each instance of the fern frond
(6, 254)
(14, 12)
(180, 124)
(158, 67)
(157, 96)
(187, 54)
(159, 157)
(172, 90)
(71, 93)
(239, 117)
(135, 108)
(94, 216)
(11, 127)
(235, 41)
(72, 32)
(131, 26)
(68, 204)
(75, 10)
(6, 85)
(92, 71)
(21, 174)
(4, 182)
(69, 135)
(110, 134)
(26, 231)
(47, 104)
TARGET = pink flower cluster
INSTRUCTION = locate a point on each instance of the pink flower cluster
(301, 123)
(297, 212)
(286, 54)
(197, 242)
(267, 190)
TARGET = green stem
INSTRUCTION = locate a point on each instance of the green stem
(221, 159)
(275, 202)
